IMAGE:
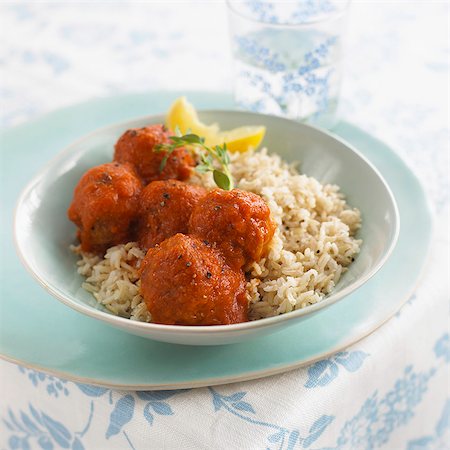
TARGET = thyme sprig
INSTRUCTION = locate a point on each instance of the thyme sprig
(212, 159)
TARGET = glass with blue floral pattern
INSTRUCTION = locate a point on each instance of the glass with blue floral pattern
(288, 57)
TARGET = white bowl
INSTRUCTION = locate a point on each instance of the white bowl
(43, 233)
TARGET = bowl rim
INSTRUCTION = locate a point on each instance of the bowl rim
(147, 327)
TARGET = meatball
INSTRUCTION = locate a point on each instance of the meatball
(104, 205)
(185, 281)
(165, 208)
(137, 148)
(239, 222)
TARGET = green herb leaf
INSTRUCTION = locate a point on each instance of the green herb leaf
(202, 168)
(222, 180)
(214, 160)
(178, 141)
(192, 139)
(207, 159)
(226, 155)
(163, 162)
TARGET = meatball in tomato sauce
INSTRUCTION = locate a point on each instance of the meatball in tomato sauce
(239, 222)
(185, 281)
(137, 147)
(104, 206)
(164, 210)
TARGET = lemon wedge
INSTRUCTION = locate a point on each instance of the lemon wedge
(183, 115)
(243, 139)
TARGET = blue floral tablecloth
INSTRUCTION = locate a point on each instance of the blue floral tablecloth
(389, 391)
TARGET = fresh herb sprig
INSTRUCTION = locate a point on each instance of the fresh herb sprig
(212, 159)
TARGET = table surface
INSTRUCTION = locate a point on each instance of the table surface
(390, 390)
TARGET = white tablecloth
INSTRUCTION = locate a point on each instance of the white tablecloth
(389, 391)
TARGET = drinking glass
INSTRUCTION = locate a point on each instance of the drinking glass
(288, 56)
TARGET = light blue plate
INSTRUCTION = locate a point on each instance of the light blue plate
(37, 331)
